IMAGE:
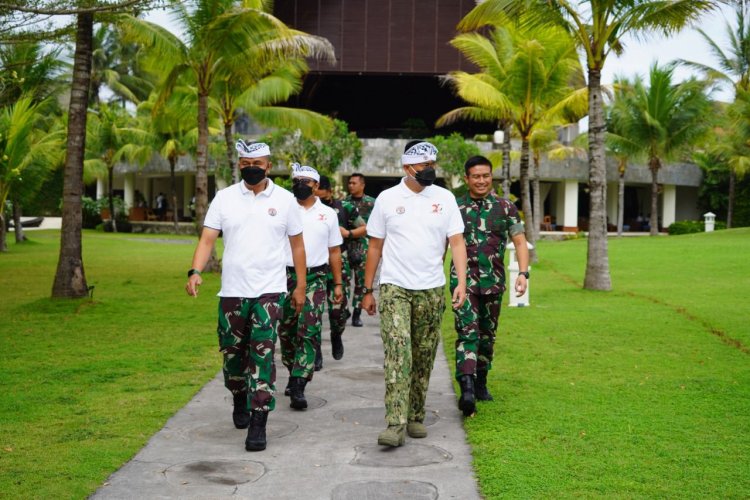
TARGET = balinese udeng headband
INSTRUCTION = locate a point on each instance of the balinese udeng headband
(419, 153)
(254, 150)
(299, 171)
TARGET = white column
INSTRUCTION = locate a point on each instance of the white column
(612, 197)
(101, 191)
(669, 205)
(129, 188)
(570, 201)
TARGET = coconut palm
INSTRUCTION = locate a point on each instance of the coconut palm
(664, 120)
(733, 68)
(598, 27)
(24, 146)
(530, 76)
(216, 32)
(29, 69)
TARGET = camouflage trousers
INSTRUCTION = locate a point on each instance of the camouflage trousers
(476, 324)
(299, 334)
(339, 313)
(410, 329)
(247, 337)
(359, 277)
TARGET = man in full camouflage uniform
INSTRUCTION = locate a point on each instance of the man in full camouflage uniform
(299, 334)
(258, 219)
(351, 226)
(488, 222)
(409, 227)
(357, 247)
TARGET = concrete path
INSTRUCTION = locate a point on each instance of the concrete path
(329, 451)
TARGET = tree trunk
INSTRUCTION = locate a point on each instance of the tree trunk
(506, 159)
(525, 196)
(173, 187)
(3, 244)
(70, 278)
(730, 204)
(17, 227)
(621, 201)
(230, 152)
(111, 200)
(201, 176)
(597, 260)
(536, 196)
(653, 218)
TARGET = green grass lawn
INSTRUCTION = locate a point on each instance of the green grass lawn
(85, 383)
(639, 392)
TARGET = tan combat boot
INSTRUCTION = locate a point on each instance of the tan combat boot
(416, 430)
(394, 435)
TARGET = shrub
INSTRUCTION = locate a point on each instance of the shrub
(691, 226)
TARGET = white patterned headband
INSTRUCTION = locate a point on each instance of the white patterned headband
(300, 171)
(254, 150)
(419, 153)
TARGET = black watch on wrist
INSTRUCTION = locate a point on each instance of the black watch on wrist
(366, 290)
(524, 273)
(193, 271)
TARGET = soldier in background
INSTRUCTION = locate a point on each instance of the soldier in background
(351, 225)
(488, 222)
(357, 247)
(300, 334)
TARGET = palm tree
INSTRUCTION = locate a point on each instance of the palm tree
(663, 121)
(34, 72)
(598, 26)
(24, 146)
(216, 31)
(528, 76)
(733, 69)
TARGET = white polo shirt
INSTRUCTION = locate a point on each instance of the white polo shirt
(256, 230)
(320, 231)
(415, 227)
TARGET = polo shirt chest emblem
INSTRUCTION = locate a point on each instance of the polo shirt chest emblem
(322, 217)
(400, 210)
(272, 212)
(437, 208)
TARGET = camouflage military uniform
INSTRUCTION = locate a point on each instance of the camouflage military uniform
(410, 329)
(299, 335)
(338, 313)
(247, 336)
(359, 246)
(488, 223)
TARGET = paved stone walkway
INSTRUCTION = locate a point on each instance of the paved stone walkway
(329, 451)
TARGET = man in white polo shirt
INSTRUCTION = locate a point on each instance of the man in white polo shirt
(300, 334)
(409, 226)
(257, 218)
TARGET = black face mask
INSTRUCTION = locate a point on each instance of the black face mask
(426, 177)
(252, 175)
(302, 191)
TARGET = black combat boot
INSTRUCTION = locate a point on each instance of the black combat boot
(240, 415)
(481, 391)
(298, 393)
(337, 346)
(256, 433)
(356, 317)
(466, 402)
(288, 389)
(318, 359)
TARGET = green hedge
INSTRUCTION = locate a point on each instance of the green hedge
(692, 226)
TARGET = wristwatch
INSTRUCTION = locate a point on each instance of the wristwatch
(524, 273)
(193, 271)
(367, 290)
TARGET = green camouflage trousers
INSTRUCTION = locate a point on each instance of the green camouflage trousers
(339, 313)
(299, 334)
(476, 324)
(410, 329)
(247, 337)
(359, 275)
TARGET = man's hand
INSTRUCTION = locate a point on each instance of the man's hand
(338, 294)
(459, 295)
(298, 299)
(368, 304)
(521, 285)
(192, 285)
